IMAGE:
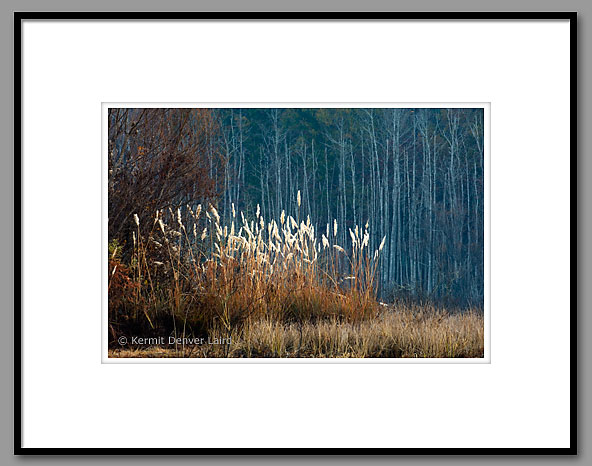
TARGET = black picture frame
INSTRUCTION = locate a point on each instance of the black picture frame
(19, 17)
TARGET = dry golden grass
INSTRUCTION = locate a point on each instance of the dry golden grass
(193, 273)
(401, 333)
(273, 289)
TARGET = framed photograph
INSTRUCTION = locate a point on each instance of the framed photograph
(230, 223)
(217, 251)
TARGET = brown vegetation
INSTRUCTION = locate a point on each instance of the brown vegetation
(266, 289)
(408, 332)
(158, 158)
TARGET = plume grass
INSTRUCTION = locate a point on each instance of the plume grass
(263, 285)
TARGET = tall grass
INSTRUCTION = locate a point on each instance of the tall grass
(273, 288)
(191, 273)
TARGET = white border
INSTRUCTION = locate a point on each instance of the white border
(105, 359)
(520, 399)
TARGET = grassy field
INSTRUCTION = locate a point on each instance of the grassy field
(402, 333)
(256, 289)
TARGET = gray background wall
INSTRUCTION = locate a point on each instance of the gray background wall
(7, 7)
